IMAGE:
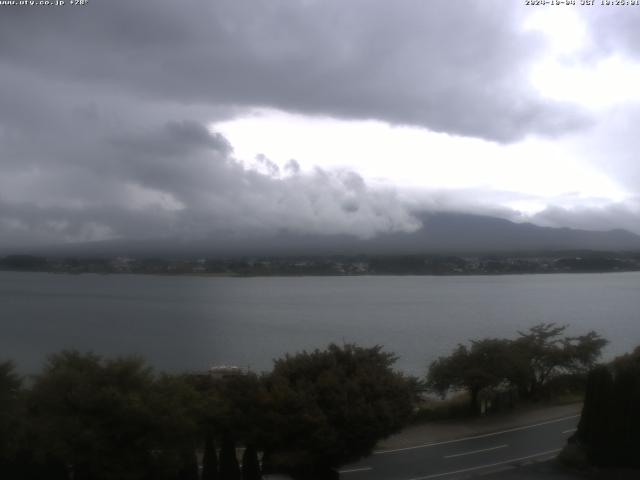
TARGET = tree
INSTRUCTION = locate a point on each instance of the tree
(329, 407)
(177, 410)
(250, 464)
(595, 422)
(542, 353)
(113, 418)
(94, 414)
(189, 466)
(237, 404)
(209, 459)
(229, 468)
(486, 364)
(609, 428)
(10, 416)
(10, 389)
(528, 362)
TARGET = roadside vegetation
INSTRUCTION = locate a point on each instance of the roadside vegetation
(90, 418)
(496, 373)
(85, 417)
(544, 364)
(608, 434)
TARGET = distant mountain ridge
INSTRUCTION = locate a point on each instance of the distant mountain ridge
(466, 232)
(441, 233)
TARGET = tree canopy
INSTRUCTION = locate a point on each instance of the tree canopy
(108, 419)
(609, 428)
(10, 384)
(485, 364)
(95, 418)
(88, 411)
(542, 353)
(526, 363)
(332, 406)
(92, 418)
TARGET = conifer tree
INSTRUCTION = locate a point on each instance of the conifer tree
(250, 464)
(595, 422)
(229, 468)
(210, 459)
(188, 466)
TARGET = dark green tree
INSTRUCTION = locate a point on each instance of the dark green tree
(250, 464)
(189, 466)
(112, 418)
(176, 429)
(163, 465)
(485, 364)
(528, 363)
(329, 407)
(229, 468)
(209, 459)
(543, 352)
(10, 390)
(609, 428)
(11, 417)
(177, 409)
(93, 414)
(624, 435)
(237, 404)
(594, 425)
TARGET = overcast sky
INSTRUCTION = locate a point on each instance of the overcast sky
(164, 118)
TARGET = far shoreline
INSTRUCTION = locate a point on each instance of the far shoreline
(319, 275)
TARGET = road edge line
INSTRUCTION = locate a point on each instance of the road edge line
(352, 470)
(471, 469)
(482, 450)
(473, 437)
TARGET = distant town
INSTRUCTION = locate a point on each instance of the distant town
(560, 262)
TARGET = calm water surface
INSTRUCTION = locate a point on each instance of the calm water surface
(192, 322)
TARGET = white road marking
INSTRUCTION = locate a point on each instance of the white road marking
(476, 451)
(426, 445)
(571, 430)
(489, 465)
(352, 470)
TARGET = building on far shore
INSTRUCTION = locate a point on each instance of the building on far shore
(219, 372)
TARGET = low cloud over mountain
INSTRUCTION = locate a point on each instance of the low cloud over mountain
(106, 115)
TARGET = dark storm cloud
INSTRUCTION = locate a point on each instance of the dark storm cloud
(104, 109)
(174, 138)
(454, 66)
(84, 163)
(26, 224)
(101, 174)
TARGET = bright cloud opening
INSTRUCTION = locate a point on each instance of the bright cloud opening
(609, 82)
(416, 158)
(567, 73)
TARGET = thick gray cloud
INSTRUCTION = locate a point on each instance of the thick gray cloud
(104, 110)
(455, 66)
(95, 176)
(608, 217)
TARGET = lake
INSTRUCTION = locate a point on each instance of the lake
(185, 322)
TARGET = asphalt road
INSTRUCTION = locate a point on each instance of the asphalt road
(466, 457)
